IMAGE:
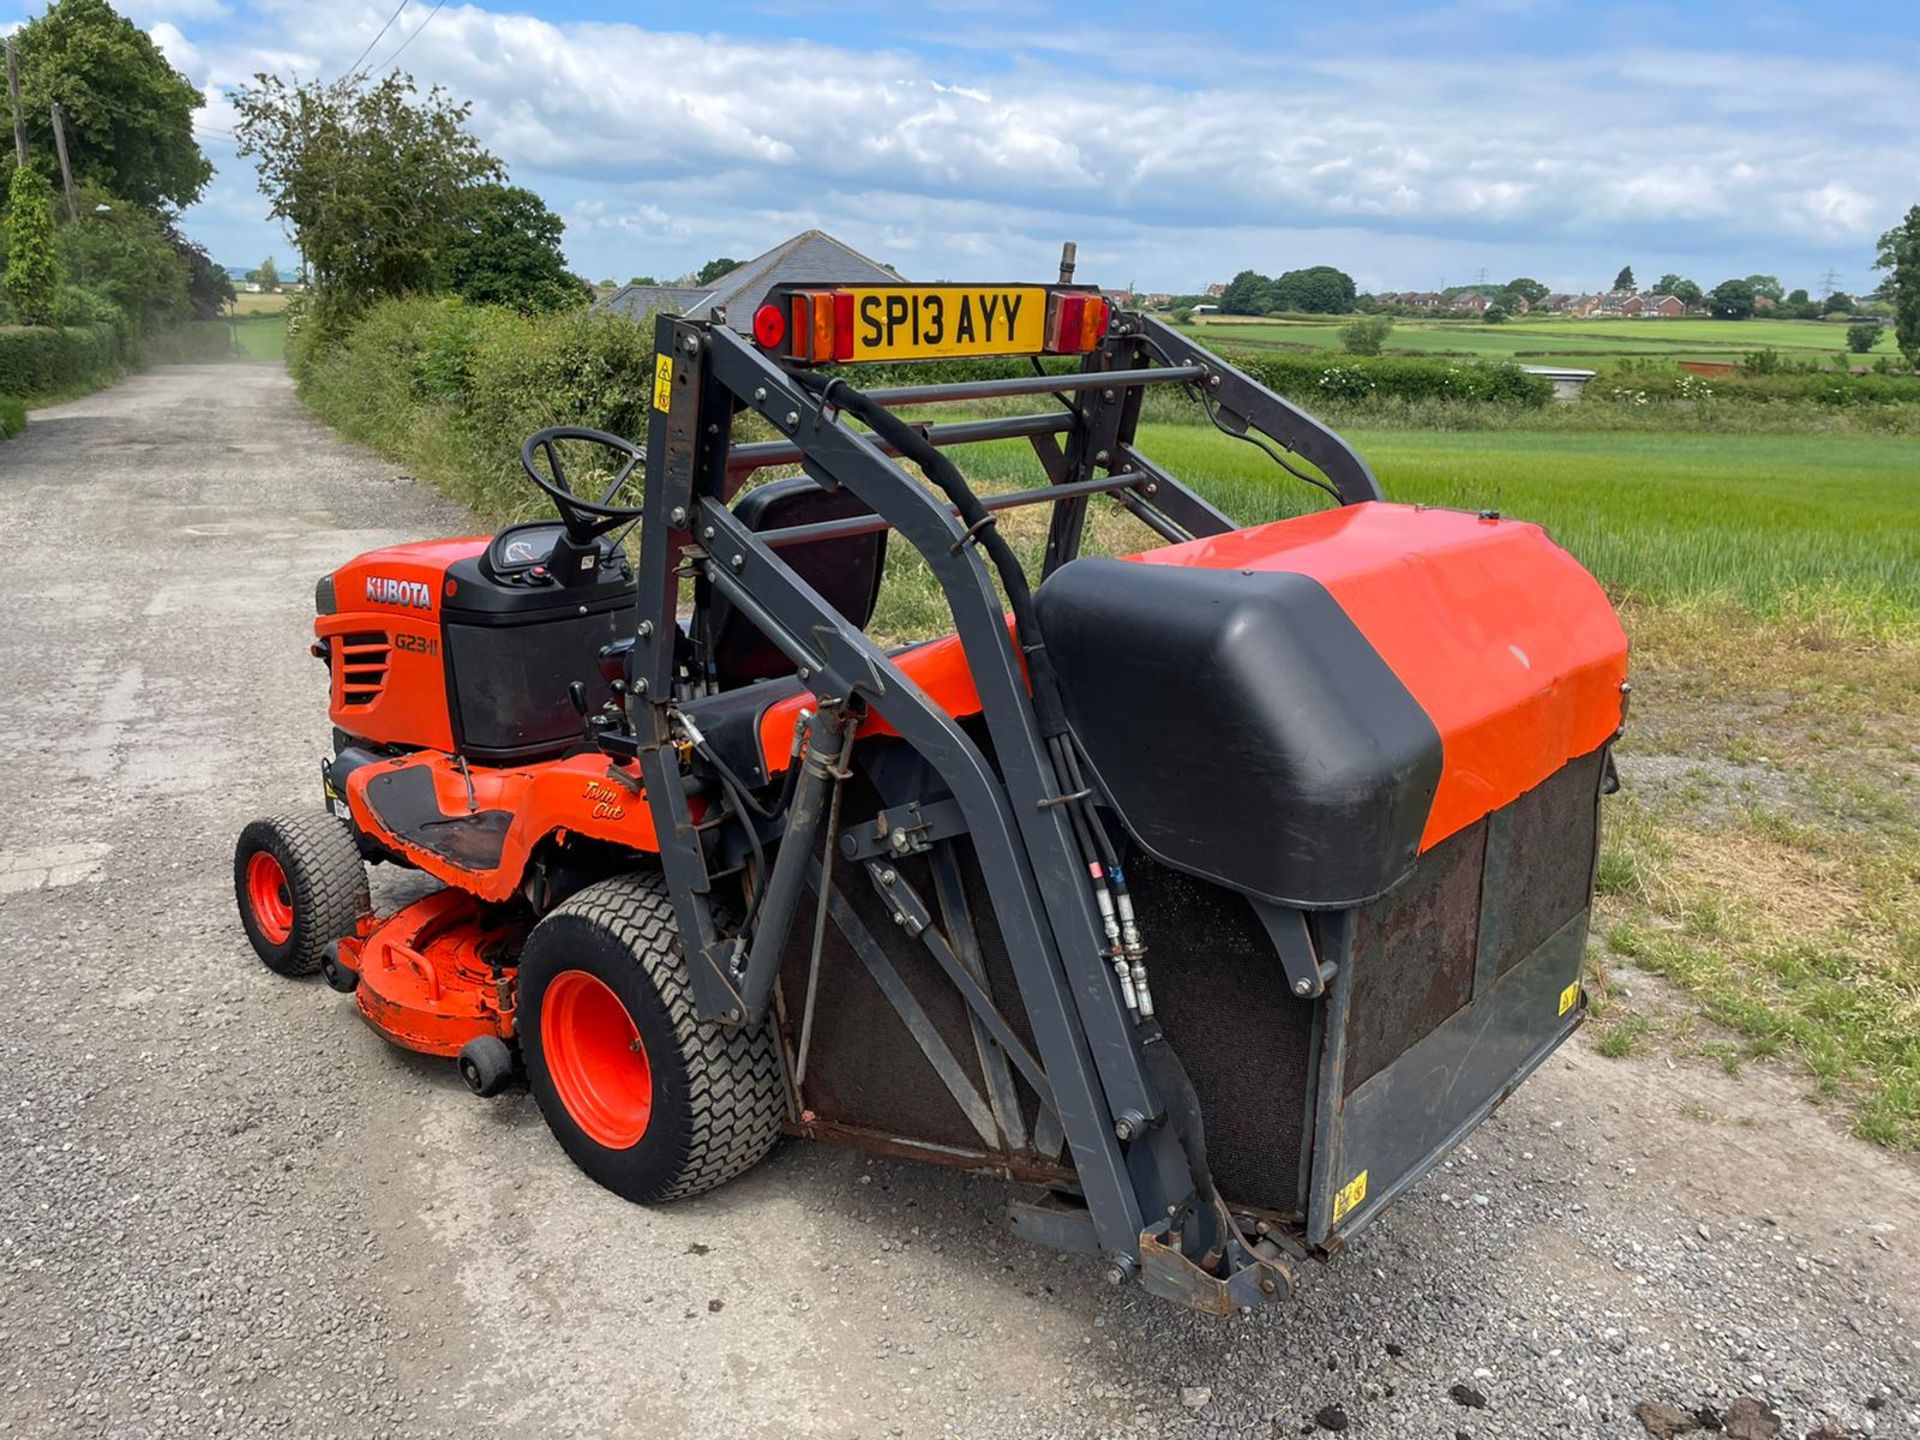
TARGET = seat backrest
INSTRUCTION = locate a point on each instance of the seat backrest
(844, 569)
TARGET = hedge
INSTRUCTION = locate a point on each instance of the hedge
(1353, 378)
(39, 360)
(13, 417)
(453, 388)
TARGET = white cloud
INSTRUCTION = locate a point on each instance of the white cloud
(687, 138)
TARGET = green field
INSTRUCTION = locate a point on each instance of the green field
(261, 338)
(1589, 344)
(1778, 525)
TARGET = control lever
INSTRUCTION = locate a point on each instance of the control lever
(577, 693)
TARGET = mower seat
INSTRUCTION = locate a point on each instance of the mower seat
(844, 569)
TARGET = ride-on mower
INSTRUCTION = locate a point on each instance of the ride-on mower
(1208, 894)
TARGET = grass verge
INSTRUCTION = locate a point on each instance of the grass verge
(13, 417)
(1765, 859)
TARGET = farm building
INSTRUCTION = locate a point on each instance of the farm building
(812, 257)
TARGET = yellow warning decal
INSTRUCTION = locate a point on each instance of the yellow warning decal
(663, 383)
(1569, 997)
(1349, 1196)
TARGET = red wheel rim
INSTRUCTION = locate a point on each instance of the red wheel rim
(598, 1063)
(269, 897)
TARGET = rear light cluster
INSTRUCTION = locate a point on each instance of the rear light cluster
(816, 327)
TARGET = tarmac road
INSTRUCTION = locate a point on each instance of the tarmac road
(226, 1208)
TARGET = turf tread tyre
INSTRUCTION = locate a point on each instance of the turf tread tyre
(727, 1098)
(327, 879)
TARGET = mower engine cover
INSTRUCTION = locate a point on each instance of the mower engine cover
(1344, 690)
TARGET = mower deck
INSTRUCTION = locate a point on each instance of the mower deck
(436, 974)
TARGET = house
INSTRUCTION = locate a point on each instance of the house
(1421, 300)
(1667, 307)
(1472, 301)
(1586, 305)
(1560, 304)
(812, 257)
(1214, 292)
(1119, 299)
(1763, 302)
(1629, 305)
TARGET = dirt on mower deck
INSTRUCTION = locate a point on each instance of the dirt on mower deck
(229, 1209)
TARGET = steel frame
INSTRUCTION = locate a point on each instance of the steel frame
(1087, 1063)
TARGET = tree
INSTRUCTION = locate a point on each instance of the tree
(1494, 315)
(1317, 290)
(1863, 335)
(266, 275)
(1679, 287)
(1838, 303)
(714, 269)
(506, 251)
(128, 113)
(1248, 293)
(1900, 257)
(33, 266)
(1366, 336)
(130, 254)
(1731, 300)
(642, 280)
(372, 179)
(1623, 282)
(209, 288)
(1768, 286)
(1531, 291)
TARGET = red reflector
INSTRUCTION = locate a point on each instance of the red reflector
(843, 325)
(1066, 323)
(769, 326)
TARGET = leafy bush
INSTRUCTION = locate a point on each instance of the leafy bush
(32, 276)
(1863, 335)
(454, 387)
(42, 360)
(13, 417)
(1367, 335)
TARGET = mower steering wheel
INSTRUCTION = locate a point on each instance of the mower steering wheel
(585, 519)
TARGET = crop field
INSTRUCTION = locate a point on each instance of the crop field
(1590, 344)
(1776, 526)
(260, 304)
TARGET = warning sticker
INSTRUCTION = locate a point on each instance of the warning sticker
(1349, 1195)
(663, 383)
(1569, 997)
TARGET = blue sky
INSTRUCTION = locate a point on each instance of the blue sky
(1411, 144)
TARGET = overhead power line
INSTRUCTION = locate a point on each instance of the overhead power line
(354, 69)
(394, 58)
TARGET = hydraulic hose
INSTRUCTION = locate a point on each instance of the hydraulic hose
(1090, 836)
(980, 525)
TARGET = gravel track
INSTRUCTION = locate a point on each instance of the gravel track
(226, 1208)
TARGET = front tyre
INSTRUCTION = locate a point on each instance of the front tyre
(647, 1100)
(300, 885)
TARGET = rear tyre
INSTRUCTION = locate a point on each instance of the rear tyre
(647, 1100)
(300, 885)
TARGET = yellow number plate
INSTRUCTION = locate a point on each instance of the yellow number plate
(936, 321)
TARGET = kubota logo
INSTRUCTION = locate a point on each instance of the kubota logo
(399, 592)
